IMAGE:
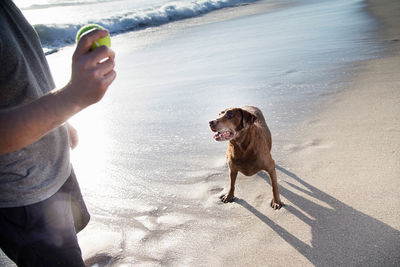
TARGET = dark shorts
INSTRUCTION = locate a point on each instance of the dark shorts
(44, 234)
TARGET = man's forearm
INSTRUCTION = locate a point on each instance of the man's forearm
(23, 125)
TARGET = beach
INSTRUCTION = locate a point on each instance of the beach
(337, 169)
(325, 75)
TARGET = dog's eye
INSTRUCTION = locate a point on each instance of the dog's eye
(229, 115)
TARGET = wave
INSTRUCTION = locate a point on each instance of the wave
(56, 36)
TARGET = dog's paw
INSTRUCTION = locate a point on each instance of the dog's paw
(276, 205)
(227, 198)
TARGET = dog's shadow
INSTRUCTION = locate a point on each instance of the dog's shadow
(341, 235)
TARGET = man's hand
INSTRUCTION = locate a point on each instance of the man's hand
(72, 136)
(92, 71)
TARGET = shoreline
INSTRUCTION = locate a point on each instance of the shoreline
(159, 31)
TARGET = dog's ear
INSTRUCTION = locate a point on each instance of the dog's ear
(248, 118)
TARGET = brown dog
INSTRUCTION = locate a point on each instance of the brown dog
(249, 147)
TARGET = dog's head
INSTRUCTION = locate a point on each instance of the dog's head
(230, 123)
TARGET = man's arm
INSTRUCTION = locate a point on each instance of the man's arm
(90, 78)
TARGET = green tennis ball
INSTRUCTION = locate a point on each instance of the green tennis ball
(99, 42)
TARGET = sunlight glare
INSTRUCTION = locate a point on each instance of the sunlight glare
(89, 158)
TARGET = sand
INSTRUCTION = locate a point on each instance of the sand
(341, 176)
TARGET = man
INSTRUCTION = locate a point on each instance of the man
(41, 208)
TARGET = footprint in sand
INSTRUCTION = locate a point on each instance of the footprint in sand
(216, 190)
(308, 145)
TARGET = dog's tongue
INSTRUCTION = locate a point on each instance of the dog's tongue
(217, 136)
(221, 136)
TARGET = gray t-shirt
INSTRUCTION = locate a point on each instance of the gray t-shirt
(36, 172)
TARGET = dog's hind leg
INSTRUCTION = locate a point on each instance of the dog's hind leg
(229, 196)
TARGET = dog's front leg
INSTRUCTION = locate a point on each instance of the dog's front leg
(276, 203)
(229, 196)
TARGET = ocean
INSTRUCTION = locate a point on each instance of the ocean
(148, 166)
(118, 16)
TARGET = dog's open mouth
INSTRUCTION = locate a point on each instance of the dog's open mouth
(223, 136)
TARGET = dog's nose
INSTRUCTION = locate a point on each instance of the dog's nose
(212, 123)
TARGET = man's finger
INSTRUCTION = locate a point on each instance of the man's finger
(109, 77)
(87, 39)
(101, 53)
(107, 66)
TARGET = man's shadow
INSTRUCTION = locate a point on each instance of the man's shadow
(341, 235)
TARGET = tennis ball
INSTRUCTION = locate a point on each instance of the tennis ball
(99, 42)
